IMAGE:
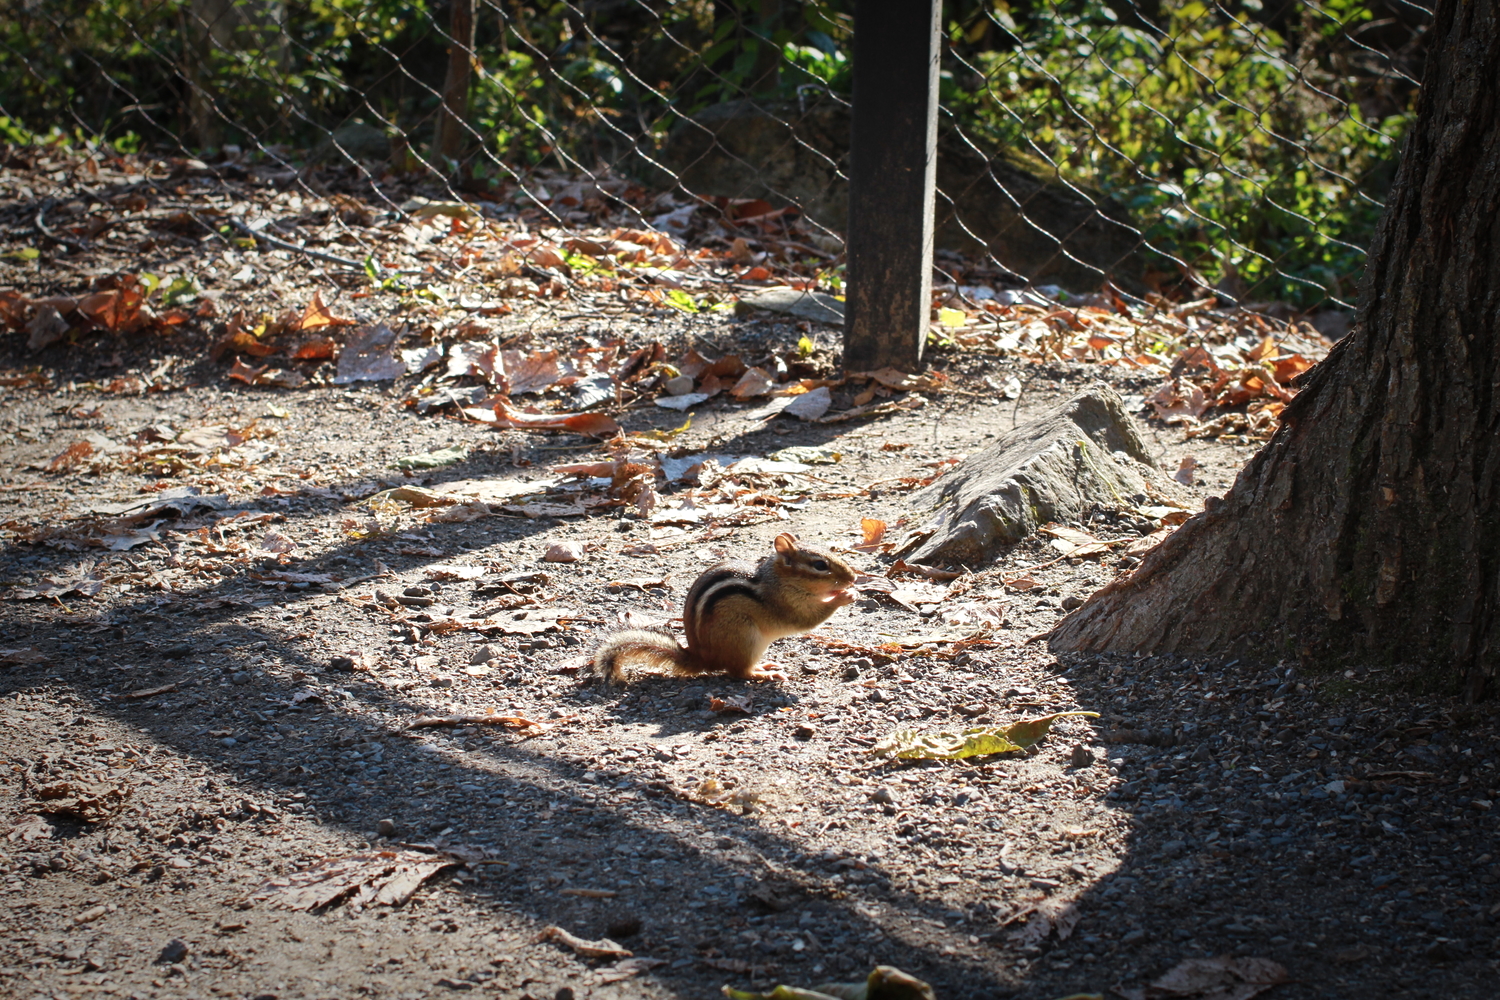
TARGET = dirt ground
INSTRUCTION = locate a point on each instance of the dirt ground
(204, 702)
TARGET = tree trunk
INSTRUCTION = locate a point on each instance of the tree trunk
(239, 26)
(451, 129)
(1369, 526)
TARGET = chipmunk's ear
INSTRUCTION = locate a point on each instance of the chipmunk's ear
(786, 542)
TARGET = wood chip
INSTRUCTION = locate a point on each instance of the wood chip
(603, 948)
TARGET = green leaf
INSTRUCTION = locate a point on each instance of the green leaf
(433, 459)
(180, 290)
(25, 253)
(952, 317)
(976, 741)
(679, 299)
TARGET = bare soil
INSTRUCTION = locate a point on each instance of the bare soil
(190, 723)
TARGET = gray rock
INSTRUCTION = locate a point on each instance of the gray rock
(818, 306)
(1084, 454)
(355, 141)
(174, 951)
(386, 828)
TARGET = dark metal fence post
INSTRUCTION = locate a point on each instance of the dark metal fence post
(893, 169)
(449, 138)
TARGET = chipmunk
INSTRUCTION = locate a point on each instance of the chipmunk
(734, 611)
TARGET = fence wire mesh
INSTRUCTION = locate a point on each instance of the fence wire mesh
(683, 155)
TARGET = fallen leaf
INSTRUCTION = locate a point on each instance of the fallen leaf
(1185, 470)
(316, 349)
(530, 373)
(755, 382)
(433, 459)
(30, 828)
(384, 878)
(626, 968)
(45, 327)
(317, 316)
(118, 309)
(810, 405)
(735, 703)
(884, 983)
(873, 531)
(70, 456)
(242, 372)
(367, 357)
(1072, 542)
(1222, 978)
(1053, 914)
(590, 424)
(893, 379)
(978, 741)
(563, 552)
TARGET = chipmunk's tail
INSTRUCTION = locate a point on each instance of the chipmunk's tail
(652, 649)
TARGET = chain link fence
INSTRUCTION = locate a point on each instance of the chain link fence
(1234, 150)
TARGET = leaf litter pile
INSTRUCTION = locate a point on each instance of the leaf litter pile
(322, 498)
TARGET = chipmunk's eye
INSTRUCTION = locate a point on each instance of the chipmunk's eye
(821, 565)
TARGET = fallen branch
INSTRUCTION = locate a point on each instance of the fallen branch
(513, 721)
(603, 948)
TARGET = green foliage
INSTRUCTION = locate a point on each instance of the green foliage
(1236, 158)
(1240, 149)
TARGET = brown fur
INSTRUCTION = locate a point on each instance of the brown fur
(734, 611)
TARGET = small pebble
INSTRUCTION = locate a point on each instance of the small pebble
(386, 828)
(1081, 757)
(175, 951)
(804, 732)
(882, 795)
(1072, 603)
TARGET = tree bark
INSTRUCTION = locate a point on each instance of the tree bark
(451, 129)
(1369, 526)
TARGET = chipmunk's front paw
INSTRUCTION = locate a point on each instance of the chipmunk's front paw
(766, 672)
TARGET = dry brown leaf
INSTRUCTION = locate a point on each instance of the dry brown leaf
(893, 379)
(1222, 978)
(367, 357)
(1053, 914)
(873, 531)
(385, 878)
(317, 316)
(504, 415)
(755, 382)
(1073, 543)
(70, 456)
(531, 373)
